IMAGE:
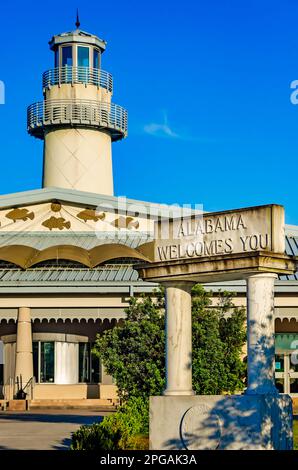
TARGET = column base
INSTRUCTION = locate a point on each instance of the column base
(211, 422)
(178, 393)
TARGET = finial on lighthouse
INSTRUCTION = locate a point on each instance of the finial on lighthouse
(78, 24)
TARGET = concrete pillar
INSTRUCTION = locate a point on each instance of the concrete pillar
(260, 334)
(178, 339)
(24, 356)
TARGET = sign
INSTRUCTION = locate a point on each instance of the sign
(246, 230)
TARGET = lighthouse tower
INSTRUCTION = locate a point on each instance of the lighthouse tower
(77, 119)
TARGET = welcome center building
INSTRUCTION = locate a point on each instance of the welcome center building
(67, 250)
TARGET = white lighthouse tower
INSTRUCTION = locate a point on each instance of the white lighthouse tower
(77, 119)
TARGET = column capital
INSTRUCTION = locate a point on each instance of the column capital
(24, 314)
(262, 275)
(184, 285)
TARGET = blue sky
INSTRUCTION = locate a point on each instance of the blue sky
(206, 85)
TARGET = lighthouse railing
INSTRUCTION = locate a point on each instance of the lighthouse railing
(77, 112)
(75, 75)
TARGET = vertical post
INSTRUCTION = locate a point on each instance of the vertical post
(178, 339)
(260, 334)
(24, 355)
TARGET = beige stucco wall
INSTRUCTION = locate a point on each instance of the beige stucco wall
(108, 392)
(79, 159)
(62, 301)
(280, 300)
(78, 91)
(73, 391)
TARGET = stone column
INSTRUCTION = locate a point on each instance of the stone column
(178, 339)
(260, 334)
(24, 356)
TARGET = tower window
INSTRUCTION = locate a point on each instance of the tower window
(56, 58)
(83, 56)
(95, 59)
(67, 56)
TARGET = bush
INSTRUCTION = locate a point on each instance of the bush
(133, 352)
(125, 429)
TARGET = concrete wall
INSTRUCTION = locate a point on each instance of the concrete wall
(73, 391)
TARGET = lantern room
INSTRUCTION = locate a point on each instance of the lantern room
(77, 49)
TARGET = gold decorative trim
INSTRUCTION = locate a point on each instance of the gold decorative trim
(57, 222)
(91, 214)
(20, 214)
(56, 206)
(25, 256)
(126, 222)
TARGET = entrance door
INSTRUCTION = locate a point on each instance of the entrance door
(280, 372)
(286, 373)
(293, 375)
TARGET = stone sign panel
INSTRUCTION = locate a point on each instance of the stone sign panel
(222, 233)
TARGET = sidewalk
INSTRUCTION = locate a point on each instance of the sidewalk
(39, 430)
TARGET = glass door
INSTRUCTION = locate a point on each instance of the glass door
(293, 374)
(280, 372)
(286, 373)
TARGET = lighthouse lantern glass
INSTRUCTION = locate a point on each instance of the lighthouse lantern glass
(83, 56)
(95, 59)
(56, 58)
(67, 56)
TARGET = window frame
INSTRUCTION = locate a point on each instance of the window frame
(90, 374)
(78, 46)
(64, 46)
(39, 362)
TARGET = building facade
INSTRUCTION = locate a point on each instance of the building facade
(67, 250)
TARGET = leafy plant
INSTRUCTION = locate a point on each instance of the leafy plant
(134, 352)
(125, 429)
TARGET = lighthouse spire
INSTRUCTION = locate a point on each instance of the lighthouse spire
(78, 24)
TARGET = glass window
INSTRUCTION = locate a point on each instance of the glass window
(35, 360)
(279, 363)
(95, 59)
(83, 56)
(84, 362)
(67, 56)
(47, 361)
(89, 364)
(95, 369)
(293, 362)
(56, 58)
(280, 385)
(293, 385)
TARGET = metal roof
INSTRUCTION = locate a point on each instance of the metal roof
(82, 198)
(291, 249)
(60, 275)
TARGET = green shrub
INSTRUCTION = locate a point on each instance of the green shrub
(133, 351)
(125, 429)
(87, 438)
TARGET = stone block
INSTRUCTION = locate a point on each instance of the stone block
(211, 422)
